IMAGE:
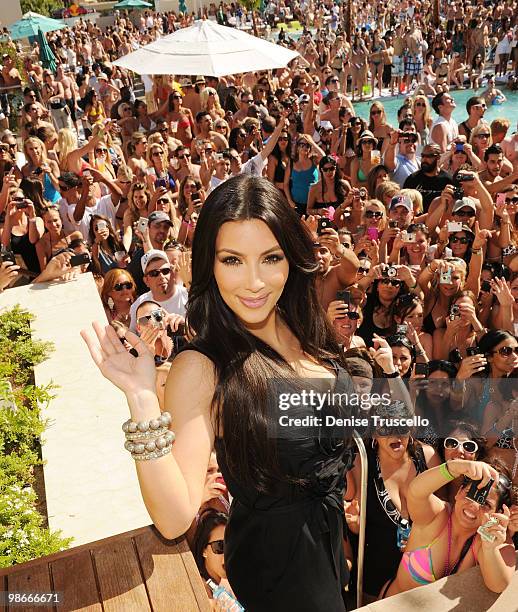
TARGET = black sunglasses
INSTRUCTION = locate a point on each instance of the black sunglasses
(511, 200)
(373, 214)
(391, 281)
(218, 546)
(461, 239)
(159, 272)
(329, 169)
(163, 201)
(506, 351)
(122, 286)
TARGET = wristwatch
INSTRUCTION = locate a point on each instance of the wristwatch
(394, 374)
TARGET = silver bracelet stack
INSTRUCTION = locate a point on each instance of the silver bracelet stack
(148, 439)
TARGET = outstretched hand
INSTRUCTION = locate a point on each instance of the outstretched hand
(130, 374)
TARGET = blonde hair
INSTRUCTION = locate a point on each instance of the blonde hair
(483, 126)
(67, 143)
(381, 207)
(149, 156)
(427, 115)
(204, 100)
(32, 140)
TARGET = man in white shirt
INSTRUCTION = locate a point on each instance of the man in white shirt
(444, 129)
(161, 279)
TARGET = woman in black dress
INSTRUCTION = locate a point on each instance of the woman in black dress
(255, 312)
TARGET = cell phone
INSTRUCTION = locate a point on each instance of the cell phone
(323, 224)
(142, 224)
(161, 182)
(402, 329)
(372, 233)
(80, 260)
(421, 369)
(500, 198)
(485, 286)
(472, 350)
(445, 278)
(477, 495)
(344, 296)
(459, 147)
(392, 224)
(101, 225)
(454, 226)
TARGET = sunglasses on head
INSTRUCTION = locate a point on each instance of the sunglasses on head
(373, 214)
(460, 239)
(218, 546)
(506, 351)
(469, 446)
(395, 282)
(159, 272)
(122, 286)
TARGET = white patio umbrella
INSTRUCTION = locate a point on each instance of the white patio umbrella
(209, 49)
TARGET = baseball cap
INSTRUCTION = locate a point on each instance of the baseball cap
(159, 215)
(464, 202)
(185, 82)
(102, 75)
(401, 200)
(151, 255)
(303, 98)
(326, 125)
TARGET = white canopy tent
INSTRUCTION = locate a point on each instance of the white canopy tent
(209, 49)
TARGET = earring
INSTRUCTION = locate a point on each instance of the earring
(374, 444)
(111, 303)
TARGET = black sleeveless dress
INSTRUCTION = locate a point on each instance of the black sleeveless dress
(285, 551)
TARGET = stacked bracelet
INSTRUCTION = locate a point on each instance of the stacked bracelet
(148, 439)
(443, 469)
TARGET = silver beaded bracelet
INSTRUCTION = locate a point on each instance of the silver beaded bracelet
(148, 439)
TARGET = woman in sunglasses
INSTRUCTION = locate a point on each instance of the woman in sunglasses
(190, 201)
(345, 319)
(364, 161)
(345, 140)
(487, 372)
(117, 295)
(107, 250)
(378, 124)
(208, 545)
(302, 172)
(157, 171)
(331, 190)
(480, 139)
(279, 159)
(385, 287)
(422, 117)
(444, 538)
(395, 458)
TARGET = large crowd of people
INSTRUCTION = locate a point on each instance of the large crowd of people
(402, 245)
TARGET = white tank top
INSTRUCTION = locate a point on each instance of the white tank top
(452, 129)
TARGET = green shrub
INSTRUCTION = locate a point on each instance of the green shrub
(22, 534)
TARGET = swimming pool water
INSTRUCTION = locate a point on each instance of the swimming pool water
(508, 109)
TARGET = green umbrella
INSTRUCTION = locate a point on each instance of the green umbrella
(48, 59)
(132, 4)
(31, 23)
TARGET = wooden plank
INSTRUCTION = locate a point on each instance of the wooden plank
(119, 577)
(73, 551)
(3, 587)
(168, 583)
(197, 584)
(33, 580)
(75, 577)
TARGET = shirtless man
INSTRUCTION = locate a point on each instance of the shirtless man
(10, 79)
(205, 132)
(414, 64)
(333, 278)
(398, 63)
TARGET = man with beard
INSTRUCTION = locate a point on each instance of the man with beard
(161, 279)
(404, 163)
(333, 278)
(476, 108)
(492, 175)
(429, 180)
(159, 226)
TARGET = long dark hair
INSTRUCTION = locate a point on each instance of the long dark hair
(207, 522)
(243, 363)
(339, 185)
